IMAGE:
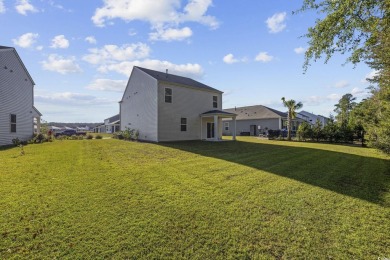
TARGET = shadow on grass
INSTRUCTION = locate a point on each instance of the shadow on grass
(7, 147)
(357, 176)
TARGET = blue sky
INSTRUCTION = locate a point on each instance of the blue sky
(80, 53)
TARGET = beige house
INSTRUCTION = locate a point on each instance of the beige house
(17, 111)
(256, 120)
(166, 107)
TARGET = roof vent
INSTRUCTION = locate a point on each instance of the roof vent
(5, 67)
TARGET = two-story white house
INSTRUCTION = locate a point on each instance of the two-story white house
(17, 111)
(166, 107)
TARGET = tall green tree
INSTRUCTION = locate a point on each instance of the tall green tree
(292, 106)
(344, 108)
(350, 26)
(361, 29)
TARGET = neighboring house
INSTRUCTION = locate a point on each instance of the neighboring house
(99, 128)
(112, 124)
(166, 107)
(17, 111)
(82, 129)
(312, 118)
(55, 129)
(255, 120)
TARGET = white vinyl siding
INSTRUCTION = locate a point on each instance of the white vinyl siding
(188, 103)
(138, 107)
(16, 97)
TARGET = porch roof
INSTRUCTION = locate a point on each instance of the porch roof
(36, 112)
(217, 112)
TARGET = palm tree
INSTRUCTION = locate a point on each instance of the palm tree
(292, 106)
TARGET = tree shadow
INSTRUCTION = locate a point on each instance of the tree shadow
(357, 176)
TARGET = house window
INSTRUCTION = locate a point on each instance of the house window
(215, 101)
(168, 95)
(13, 123)
(226, 126)
(183, 124)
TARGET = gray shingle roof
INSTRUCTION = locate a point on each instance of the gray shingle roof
(5, 47)
(113, 118)
(162, 76)
(255, 112)
(216, 111)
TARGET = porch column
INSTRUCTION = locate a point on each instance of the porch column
(234, 128)
(38, 125)
(216, 132)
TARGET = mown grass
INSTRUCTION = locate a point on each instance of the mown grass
(199, 200)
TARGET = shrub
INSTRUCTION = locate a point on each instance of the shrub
(98, 137)
(16, 141)
(74, 137)
(304, 131)
(128, 134)
(89, 137)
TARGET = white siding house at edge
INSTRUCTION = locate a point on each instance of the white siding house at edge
(143, 107)
(16, 98)
(138, 107)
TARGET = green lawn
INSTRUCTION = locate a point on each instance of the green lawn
(200, 200)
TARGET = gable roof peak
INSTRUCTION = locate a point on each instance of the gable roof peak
(176, 79)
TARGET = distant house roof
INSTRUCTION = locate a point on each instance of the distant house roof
(20, 60)
(255, 112)
(308, 114)
(117, 122)
(163, 76)
(113, 118)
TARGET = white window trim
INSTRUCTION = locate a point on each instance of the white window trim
(215, 102)
(186, 124)
(226, 126)
(13, 123)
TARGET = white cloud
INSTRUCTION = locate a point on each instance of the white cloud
(23, 6)
(125, 67)
(342, 84)
(2, 7)
(112, 53)
(299, 50)
(26, 40)
(357, 92)
(70, 98)
(170, 34)
(334, 97)
(229, 59)
(60, 64)
(90, 39)
(264, 57)
(313, 101)
(370, 75)
(59, 41)
(155, 12)
(39, 48)
(108, 85)
(276, 23)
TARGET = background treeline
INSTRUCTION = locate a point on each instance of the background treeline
(360, 29)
